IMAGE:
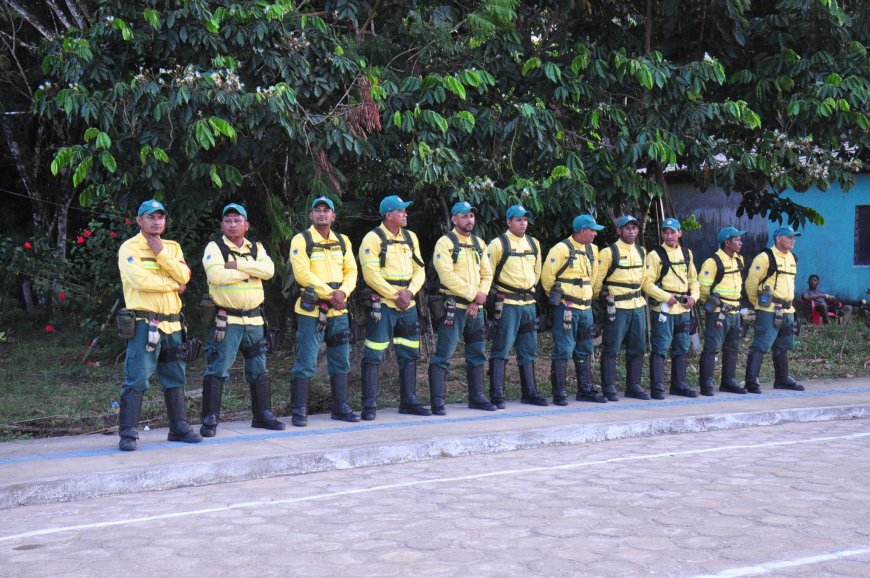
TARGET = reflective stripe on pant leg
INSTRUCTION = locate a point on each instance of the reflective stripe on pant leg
(406, 337)
(378, 335)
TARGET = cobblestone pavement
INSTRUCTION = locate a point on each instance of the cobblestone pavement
(790, 500)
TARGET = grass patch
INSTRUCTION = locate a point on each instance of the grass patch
(46, 390)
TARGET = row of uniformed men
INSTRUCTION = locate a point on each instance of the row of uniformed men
(154, 275)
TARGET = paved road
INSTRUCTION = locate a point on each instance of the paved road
(790, 500)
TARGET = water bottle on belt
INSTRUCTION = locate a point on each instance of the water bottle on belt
(153, 336)
(309, 299)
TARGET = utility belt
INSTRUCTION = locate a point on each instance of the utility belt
(188, 350)
(627, 296)
(159, 317)
(255, 312)
(577, 282)
(578, 302)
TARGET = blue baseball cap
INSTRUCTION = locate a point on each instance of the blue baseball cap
(394, 203)
(727, 233)
(462, 207)
(517, 211)
(785, 232)
(235, 207)
(585, 222)
(150, 206)
(671, 223)
(326, 200)
(626, 219)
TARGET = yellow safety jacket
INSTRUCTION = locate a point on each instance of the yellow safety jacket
(402, 269)
(469, 274)
(731, 285)
(681, 278)
(150, 280)
(240, 288)
(326, 269)
(521, 271)
(627, 279)
(581, 265)
(781, 282)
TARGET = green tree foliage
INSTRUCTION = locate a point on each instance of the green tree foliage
(566, 106)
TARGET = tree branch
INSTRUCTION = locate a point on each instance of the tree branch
(58, 13)
(30, 19)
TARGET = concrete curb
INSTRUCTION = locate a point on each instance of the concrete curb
(164, 477)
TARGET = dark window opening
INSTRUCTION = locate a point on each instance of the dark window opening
(862, 235)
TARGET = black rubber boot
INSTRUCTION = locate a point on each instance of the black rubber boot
(299, 387)
(585, 389)
(678, 378)
(369, 377)
(408, 403)
(530, 394)
(496, 382)
(176, 410)
(261, 405)
(656, 376)
(212, 390)
(608, 377)
(558, 377)
(341, 410)
(476, 397)
(753, 366)
(781, 378)
(128, 419)
(728, 382)
(705, 371)
(436, 389)
(633, 369)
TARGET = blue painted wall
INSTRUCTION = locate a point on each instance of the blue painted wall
(827, 250)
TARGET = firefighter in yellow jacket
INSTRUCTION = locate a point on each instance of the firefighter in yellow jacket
(567, 276)
(154, 274)
(516, 258)
(236, 268)
(671, 282)
(326, 272)
(721, 282)
(393, 271)
(770, 289)
(618, 283)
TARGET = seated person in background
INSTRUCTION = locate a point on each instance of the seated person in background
(816, 299)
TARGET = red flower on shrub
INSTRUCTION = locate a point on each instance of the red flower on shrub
(61, 295)
(86, 232)
(80, 240)
(128, 221)
(27, 245)
(49, 328)
(113, 234)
